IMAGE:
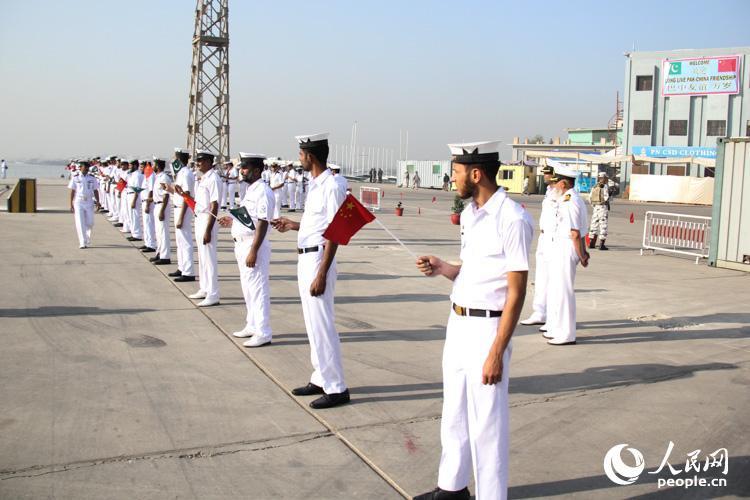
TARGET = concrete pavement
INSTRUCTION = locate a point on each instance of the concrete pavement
(116, 386)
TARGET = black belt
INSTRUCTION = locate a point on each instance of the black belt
(480, 313)
(158, 202)
(310, 249)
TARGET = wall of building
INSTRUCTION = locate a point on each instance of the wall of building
(697, 110)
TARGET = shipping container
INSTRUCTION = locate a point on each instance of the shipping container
(430, 172)
(730, 224)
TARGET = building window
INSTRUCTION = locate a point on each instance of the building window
(641, 127)
(507, 175)
(678, 127)
(716, 128)
(644, 82)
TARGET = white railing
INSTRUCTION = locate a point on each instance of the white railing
(677, 233)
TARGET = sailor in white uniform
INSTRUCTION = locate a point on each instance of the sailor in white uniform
(84, 195)
(147, 212)
(489, 286)
(252, 249)
(316, 274)
(184, 184)
(208, 193)
(277, 186)
(135, 189)
(162, 213)
(546, 226)
(568, 249)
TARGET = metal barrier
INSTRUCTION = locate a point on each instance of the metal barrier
(23, 196)
(677, 233)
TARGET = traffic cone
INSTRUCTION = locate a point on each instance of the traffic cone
(632, 218)
(419, 211)
(434, 199)
(523, 205)
(402, 195)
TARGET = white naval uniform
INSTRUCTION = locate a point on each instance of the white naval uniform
(541, 276)
(83, 206)
(277, 179)
(149, 222)
(259, 202)
(243, 188)
(495, 240)
(124, 207)
(207, 191)
(291, 188)
(232, 186)
(184, 236)
(562, 261)
(301, 181)
(114, 205)
(163, 243)
(323, 201)
(135, 180)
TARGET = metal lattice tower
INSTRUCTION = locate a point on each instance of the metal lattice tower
(208, 119)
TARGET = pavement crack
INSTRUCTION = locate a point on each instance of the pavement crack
(180, 454)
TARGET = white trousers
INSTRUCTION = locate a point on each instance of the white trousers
(325, 345)
(474, 426)
(541, 279)
(114, 207)
(184, 240)
(561, 299)
(136, 226)
(284, 200)
(163, 243)
(291, 194)
(300, 197)
(124, 213)
(208, 269)
(149, 226)
(84, 217)
(277, 203)
(231, 190)
(255, 287)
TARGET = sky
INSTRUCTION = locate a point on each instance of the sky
(85, 77)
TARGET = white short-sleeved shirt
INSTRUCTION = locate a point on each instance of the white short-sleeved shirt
(135, 179)
(186, 180)
(571, 215)
(208, 191)
(341, 181)
(148, 186)
(277, 179)
(324, 198)
(84, 186)
(259, 202)
(547, 217)
(495, 240)
(233, 174)
(159, 193)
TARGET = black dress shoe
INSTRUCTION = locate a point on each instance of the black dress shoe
(153, 259)
(183, 278)
(133, 238)
(175, 274)
(149, 250)
(331, 400)
(142, 247)
(119, 224)
(308, 390)
(162, 262)
(438, 494)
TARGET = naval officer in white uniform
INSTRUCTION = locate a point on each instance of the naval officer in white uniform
(83, 195)
(162, 213)
(489, 287)
(568, 249)
(183, 216)
(316, 274)
(252, 249)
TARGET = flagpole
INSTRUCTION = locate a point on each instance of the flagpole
(396, 238)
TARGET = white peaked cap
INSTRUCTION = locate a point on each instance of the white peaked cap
(182, 150)
(565, 171)
(469, 148)
(205, 152)
(554, 164)
(247, 156)
(602, 174)
(312, 138)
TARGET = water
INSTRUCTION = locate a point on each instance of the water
(37, 169)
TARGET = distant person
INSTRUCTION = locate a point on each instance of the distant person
(446, 181)
(380, 175)
(4, 168)
(406, 179)
(372, 175)
(526, 186)
(599, 199)
(83, 195)
(415, 181)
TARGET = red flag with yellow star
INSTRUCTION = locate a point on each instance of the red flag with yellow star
(350, 218)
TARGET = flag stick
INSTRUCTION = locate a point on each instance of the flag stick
(396, 238)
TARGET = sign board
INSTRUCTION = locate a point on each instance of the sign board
(674, 151)
(701, 76)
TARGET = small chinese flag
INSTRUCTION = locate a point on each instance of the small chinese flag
(727, 65)
(121, 184)
(632, 218)
(148, 170)
(190, 201)
(350, 218)
(588, 240)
